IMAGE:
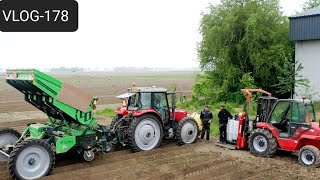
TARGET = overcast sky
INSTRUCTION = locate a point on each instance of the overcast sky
(140, 33)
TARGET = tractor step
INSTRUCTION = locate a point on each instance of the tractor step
(229, 146)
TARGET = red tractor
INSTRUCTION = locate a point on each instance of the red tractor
(148, 118)
(280, 124)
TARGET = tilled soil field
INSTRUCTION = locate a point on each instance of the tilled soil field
(105, 85)
(202, 160)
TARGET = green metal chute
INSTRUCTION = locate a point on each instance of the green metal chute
(52, 96)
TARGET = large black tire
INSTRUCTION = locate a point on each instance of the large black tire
(8, 136)
(262, 143)
(309, 156)
(10, 131)
(40, 158)
(114, 120)
(187, 131)
(152, 123)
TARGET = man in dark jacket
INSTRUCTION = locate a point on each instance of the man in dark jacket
(206, 118)
(223, 116)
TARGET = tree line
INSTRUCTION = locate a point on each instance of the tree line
(245, 44)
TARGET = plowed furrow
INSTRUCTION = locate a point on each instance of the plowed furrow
(109, 167)
(164, 169)
(142, 169)
(217, 170)
(266, 173)
(118, 158)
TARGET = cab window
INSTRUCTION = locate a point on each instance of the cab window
(133, 102)
(310, 109)
(161, 105)
(295, 113)
(145, 101)
(299, 113)
(282, 109)
(302, 113)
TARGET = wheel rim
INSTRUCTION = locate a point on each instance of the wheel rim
(260, 143)
(6, 139)
(147, 134)
(33, 162)
(189, 132)
(307, 157)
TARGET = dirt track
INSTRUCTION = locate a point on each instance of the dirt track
(201, 160)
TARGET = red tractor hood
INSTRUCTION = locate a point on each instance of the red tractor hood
(179, 114)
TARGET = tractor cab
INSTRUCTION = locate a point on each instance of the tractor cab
(147, 98)
(290, 115)
(151, 99)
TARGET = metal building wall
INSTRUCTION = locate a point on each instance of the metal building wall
(304, 28)
(308, 54)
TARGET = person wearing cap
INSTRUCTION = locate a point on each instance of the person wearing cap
(223, 116)
(206, 118)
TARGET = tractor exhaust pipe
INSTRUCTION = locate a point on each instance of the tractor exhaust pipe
(173, 99)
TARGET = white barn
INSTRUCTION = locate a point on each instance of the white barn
(305, 32)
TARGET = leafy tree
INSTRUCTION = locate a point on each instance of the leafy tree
(241, 38)
(311, 4)
(291, 78)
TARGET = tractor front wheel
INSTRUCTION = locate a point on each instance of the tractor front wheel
(8, 136)
(187, 131)
(145, 133)
(31, 159)
(262, 143)
(309, 156)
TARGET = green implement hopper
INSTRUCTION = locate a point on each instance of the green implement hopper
(70, 125)
(52, 96)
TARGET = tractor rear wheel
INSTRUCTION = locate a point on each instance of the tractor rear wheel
(114, 120)
(145, 133)
(309, 156)
(31, 159)
(187, 131)
(262, 143)
(8, 136)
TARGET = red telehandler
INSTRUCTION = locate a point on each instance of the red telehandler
(280, 124)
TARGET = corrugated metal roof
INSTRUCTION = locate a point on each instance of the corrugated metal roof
(305, 26)
(310, 12)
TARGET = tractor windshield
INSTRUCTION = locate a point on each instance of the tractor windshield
(139, 101)
(133, 103)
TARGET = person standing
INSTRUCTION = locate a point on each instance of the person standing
(223, 116)
(206, 118)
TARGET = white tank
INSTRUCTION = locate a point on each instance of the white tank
(232, 130)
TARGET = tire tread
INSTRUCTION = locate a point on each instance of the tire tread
(182, 122)
(270, 138)
(20, 147)
(314, 150)
(132, 127)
